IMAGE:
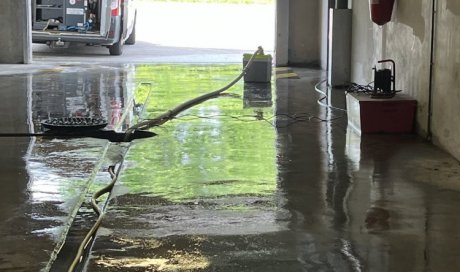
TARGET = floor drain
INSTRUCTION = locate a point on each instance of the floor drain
(74, 123)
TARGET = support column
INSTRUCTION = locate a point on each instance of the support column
(16, 35)
(341, 4)
(339, 70)
(282, 33)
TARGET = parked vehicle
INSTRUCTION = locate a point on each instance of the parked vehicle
(110, 23)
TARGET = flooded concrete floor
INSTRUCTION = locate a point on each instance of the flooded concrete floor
(45, 180)
(262, 179)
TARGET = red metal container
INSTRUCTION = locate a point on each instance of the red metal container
(390, 115)
(381, 11)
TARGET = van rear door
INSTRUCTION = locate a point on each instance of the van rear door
(106, 16)
(129, 16)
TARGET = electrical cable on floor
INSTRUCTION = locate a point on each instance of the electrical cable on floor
(367, 89)
(100, 213)
(356, 88)
(250, 118)
(294, 118)
(317, 89)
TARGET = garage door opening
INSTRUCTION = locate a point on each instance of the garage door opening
(208, 24)
(185, 31)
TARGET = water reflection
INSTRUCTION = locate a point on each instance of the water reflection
(216, 156)
(86, 94)
(204, 188)
(396, 216)
(257, 95)
(197, 155)
(46, 179)
(353, 203)
(310, 196)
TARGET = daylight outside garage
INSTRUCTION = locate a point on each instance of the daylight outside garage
(170, 31)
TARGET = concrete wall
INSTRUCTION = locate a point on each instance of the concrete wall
(304, 30)
(406, 39)
(15, 35)
(446, 91)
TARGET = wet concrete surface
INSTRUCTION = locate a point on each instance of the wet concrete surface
(227, 187)
(45, 180)
(260, 179)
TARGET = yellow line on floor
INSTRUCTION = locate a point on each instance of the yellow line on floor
(282, 69)
(287, 75)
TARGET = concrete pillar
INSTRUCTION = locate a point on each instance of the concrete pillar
(298, 32)
(304, 33)
(282, 33)
(16, 35)
(341, 4)
(339, 47)
(324, 31)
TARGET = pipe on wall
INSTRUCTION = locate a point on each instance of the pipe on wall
(432, 55)
(27, 36)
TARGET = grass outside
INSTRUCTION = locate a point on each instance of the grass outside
(266, 2)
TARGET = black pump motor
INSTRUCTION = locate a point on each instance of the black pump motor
(384, 80)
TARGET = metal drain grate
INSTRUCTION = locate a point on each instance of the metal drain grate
(74, 123)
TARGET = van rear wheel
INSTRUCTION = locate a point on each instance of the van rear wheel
(116, 49)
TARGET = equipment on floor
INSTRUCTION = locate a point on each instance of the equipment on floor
(384, 81)
(383, 86)
(377, 108)
(376, 115)
(381, 11)
(261, 70)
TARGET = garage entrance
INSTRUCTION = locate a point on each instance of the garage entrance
(184, 31)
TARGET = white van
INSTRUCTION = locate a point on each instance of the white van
(110, 23)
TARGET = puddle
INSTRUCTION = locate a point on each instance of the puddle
(46, 179)
(307, 196)
(220, 187)
(215, 149)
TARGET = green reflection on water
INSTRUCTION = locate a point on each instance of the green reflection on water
(226, 151)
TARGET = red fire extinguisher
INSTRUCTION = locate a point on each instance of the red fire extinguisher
(381, 11)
